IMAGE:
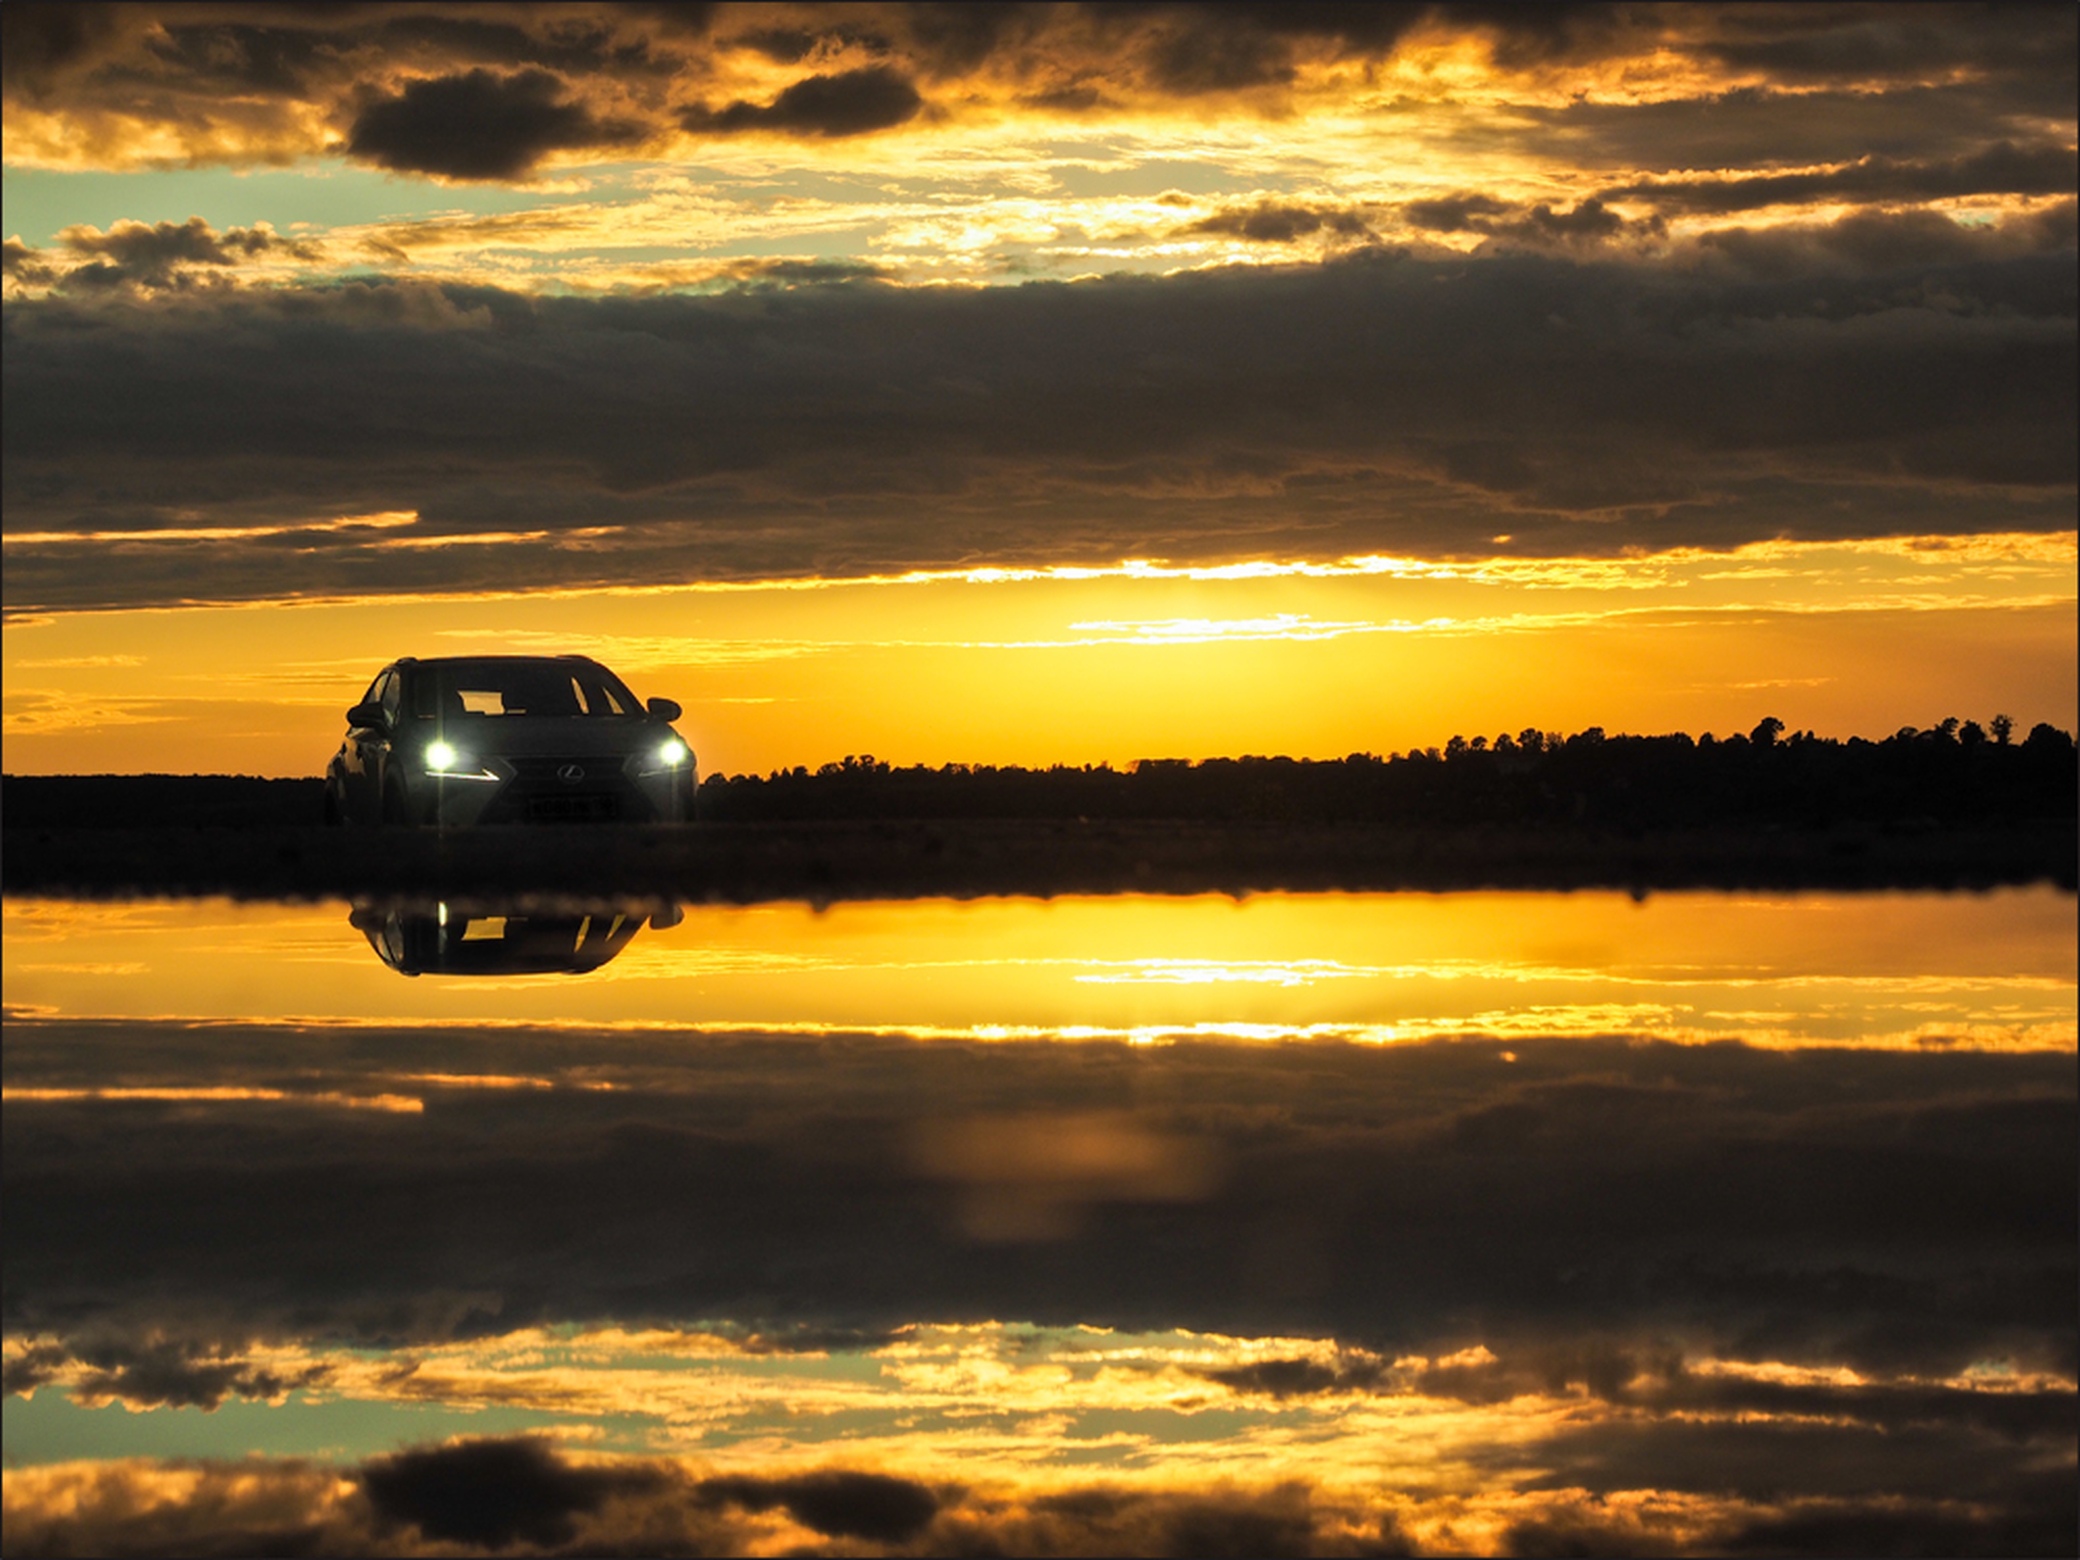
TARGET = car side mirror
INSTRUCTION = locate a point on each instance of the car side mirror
(664, 709)
(370, 714)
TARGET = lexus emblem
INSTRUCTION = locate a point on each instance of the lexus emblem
(570, 774)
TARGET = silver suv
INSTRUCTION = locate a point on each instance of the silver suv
(508, 739)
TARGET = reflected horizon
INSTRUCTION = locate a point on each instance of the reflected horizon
(1866, 970)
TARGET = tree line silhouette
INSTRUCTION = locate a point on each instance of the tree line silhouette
(1949, 774)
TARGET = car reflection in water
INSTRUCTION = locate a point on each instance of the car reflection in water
(447, 940)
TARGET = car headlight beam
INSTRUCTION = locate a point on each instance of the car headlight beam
(444, 760)
(668, 756)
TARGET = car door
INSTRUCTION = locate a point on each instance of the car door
(384, 740)
(367, 749)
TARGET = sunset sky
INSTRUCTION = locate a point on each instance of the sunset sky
(1035, 384)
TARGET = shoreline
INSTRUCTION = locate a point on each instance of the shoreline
(821, 862)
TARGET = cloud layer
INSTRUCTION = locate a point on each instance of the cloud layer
(1331, 281)
(241, 83)
(1850, 380)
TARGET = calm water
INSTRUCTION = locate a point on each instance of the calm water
(1455, 1223)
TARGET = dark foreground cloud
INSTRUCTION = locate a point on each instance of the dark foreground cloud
(490, 1493)
(1880, 375)
(852, 102)
(842, 1505)
(479, 126)
(1281, 222)
(158, 255)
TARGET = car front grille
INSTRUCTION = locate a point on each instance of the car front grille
(568, 788)
(596, 769)
(576, 807)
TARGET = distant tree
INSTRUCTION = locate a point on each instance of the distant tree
(2003, 728)
(1766, 731)
(1455, 747)
(1947, 729)
(1529, 740)
(1971, 734)
(1505, 743)
(1479, 744)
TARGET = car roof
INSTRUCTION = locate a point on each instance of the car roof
(478, 660)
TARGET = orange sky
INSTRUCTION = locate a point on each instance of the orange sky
(1446, 371)
(1126, 665)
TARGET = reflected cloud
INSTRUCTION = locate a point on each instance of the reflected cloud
(758, 1291)
(1032, 1176)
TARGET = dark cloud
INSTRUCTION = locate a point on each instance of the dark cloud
(1835, 43)
(158, 254)
(840, 1505)
(1303, 1377)
(286, 1506)
(1659, 1382)
(1454, 213)
(277, 61)
(2039, 1518)
(491, 1492)
(26, 264)
(853, 102)
(1751, 128)
(1275, 222)
(1588, 223)
(40, 44)
(1588, 1532)
(479, 126)
(626, 72)
(168, 1373)
(156, 246)
(1880, 374)
(1885, 242)
(31, 1368)
(2002, 169)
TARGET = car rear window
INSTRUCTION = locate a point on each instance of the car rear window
(501, 688)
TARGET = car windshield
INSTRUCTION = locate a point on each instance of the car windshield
(516, 687)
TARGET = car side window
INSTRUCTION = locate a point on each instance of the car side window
(392, 696)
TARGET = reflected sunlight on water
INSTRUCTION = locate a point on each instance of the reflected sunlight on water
(1992, 970)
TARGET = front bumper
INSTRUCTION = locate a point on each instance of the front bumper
(553, 788)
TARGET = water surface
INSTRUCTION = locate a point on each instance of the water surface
(1452, 1223)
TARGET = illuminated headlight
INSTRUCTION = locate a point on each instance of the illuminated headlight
(442, 759)
(667, 755)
